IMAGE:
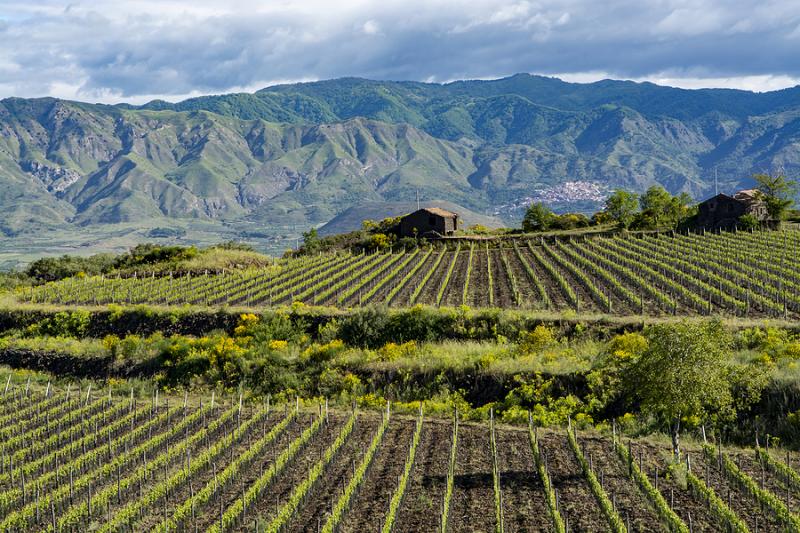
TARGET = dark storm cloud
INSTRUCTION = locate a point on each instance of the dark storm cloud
(127, 50)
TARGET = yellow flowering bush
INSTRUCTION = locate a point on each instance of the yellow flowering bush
(319, 353)
(793, 350)
(278, 345)
(627, 422)
(110, 343)
(223, 350)
(392, 351)
(532, 342)
(246, 321)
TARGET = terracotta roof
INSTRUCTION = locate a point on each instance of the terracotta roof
(747, 195)
(440, 212)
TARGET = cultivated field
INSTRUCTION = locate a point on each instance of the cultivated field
(82, 460)
(735, 274)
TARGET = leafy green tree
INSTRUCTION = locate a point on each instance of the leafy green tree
(571, 221)
(684, 205)
(660, 209)
(658, 202)
(55, 268)
(538, 217)
(748, 222)
(311, 241)
(601, 217)
(622, 206)
(369, 225)
(683, 375)
(380, 241)
(778, 193)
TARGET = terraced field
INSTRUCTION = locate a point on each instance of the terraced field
(81, 461)
(735, 274)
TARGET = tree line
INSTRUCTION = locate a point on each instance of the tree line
(656, 208)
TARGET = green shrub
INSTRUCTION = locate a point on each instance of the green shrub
(56, 268)
(269, 327)
(418, 324)
(749, 222)
(63, 324)
(150, 254)
(366, 328)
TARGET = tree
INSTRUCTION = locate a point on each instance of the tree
(570, 221)
(683, 375)
(622, 206)
(600, 218)
(311, 241)
(380, 241)
(538, 217)
(749, 222)
(657, 201)
(683, 206)
(661, 209)
(778, 193)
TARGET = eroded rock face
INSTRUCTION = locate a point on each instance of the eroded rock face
(55, 179)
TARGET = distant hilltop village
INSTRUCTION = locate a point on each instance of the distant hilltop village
(563, 193)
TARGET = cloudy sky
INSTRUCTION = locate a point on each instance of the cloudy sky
(136, 50)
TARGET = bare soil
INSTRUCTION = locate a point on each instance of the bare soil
(586, 300)
(206, 474)
(767, 479)
(455, 287)
(431, 289)
(284, 484)
(425, 490)
(473, 494)
(323, 497)
(577, 503)
(368, 508)
(478, 294)
(554, 292)
(390, 285)
(631, 503)
(524, 502)
(744, 505)
(503, 293)
(359, 297)
(531, 298)
(403, 296)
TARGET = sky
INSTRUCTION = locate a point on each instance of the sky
(138, 50)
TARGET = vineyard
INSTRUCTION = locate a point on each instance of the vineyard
(734, 274)
(77, 460)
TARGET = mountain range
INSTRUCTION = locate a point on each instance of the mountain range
(293, 156)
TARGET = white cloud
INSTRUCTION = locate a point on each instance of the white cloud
(371, 27)
(132, 50)
(748, 83)
(689, 21)
(761, 83)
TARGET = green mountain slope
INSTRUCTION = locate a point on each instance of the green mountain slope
(289, 156)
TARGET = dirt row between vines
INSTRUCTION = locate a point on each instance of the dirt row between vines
(473, 507)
